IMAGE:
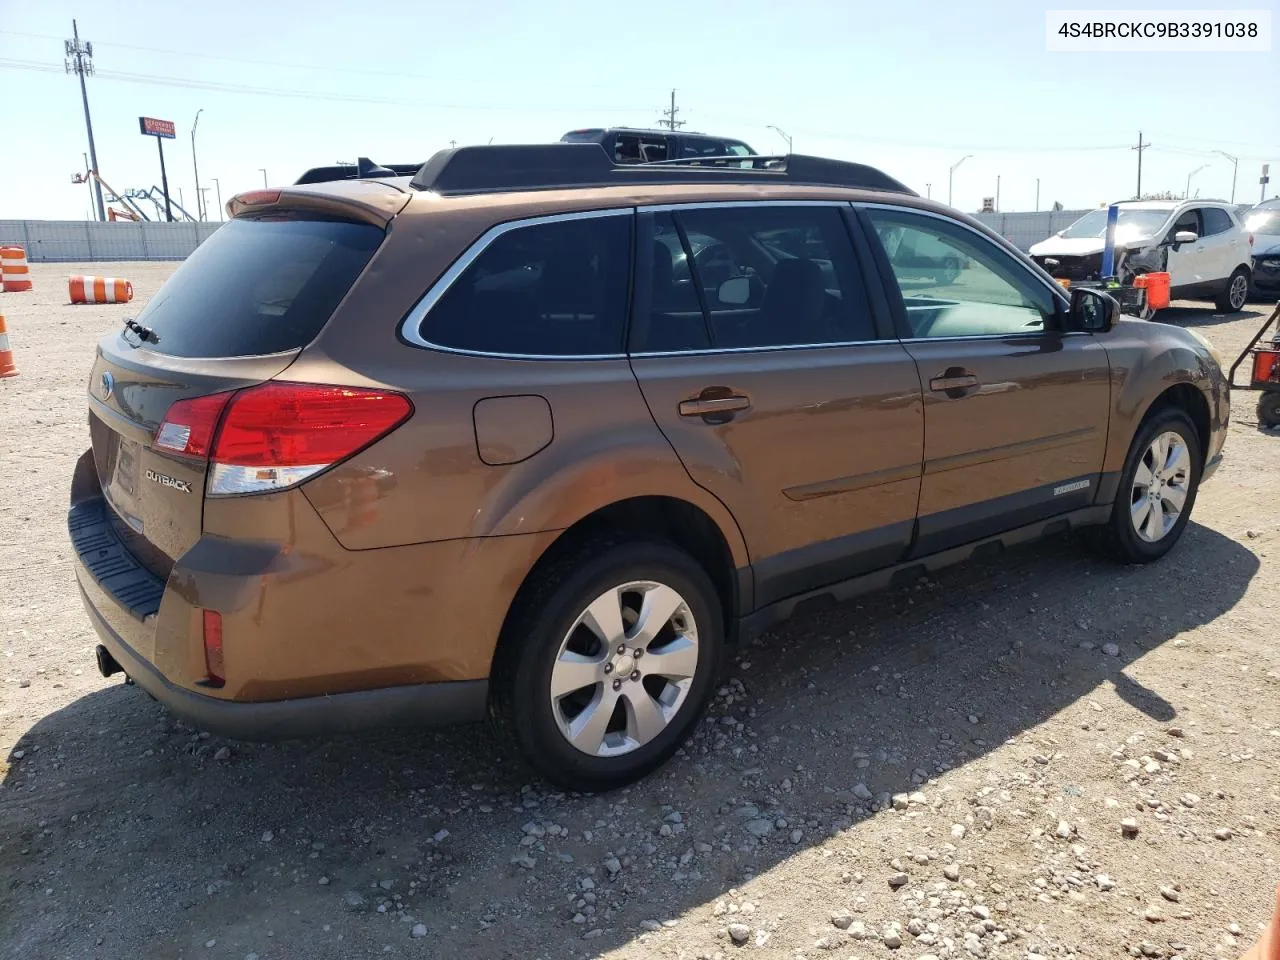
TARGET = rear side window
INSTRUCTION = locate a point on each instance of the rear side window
(258, 287)
(546, 289)
(1216, 220)
(776, 276)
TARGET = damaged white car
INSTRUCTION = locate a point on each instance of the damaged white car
(1201, 244)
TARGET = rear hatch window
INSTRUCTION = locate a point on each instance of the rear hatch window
(257, 287)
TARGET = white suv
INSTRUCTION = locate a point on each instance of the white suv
(1199, 243)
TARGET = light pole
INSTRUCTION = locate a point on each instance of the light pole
(1235, 163)
(263, 171)
(1187, 195)
(218, 188)
(951, 176)
(1037, 194)
(928, 191)
(782, 133)
(195, 167)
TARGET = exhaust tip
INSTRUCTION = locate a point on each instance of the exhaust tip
(107, 665)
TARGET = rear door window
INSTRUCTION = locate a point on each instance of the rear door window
(776, 276)
(257, 287)
(544, 289)
(1216, 220)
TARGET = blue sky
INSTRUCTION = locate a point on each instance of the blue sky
(909, 86)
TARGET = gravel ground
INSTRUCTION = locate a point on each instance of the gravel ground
(1042, 756)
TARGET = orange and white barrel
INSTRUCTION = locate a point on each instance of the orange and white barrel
(15, 275)
(99, 290)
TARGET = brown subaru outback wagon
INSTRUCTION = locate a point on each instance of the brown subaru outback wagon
(534, 436)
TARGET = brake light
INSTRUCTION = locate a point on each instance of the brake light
(213, 648)
(256, 198)
(189, 425)
(276, 435)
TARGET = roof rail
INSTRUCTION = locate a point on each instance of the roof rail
(552, 166)
(363, 169)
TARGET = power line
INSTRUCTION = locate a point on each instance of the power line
(323, 68)
(218, 86)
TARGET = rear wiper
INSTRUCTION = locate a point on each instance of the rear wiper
(144, 333)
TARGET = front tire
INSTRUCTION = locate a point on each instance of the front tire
(1236, 293)
(1157, 491)
(608, 662)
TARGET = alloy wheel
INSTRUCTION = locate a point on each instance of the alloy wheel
(1239, 291)
(624, 668)
(1161, 485)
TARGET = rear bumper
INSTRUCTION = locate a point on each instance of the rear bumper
(317, 639)
(420, 704)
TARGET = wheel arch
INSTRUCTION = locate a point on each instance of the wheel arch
(666, 518)
(1190, 399)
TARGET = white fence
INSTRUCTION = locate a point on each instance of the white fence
(1025, 229)
(76, 240)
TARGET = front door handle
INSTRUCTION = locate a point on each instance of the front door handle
(713, 406)
(953, 380)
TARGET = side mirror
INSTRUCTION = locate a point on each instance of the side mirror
(734, 292)
(1093, 310)
(1184, 236)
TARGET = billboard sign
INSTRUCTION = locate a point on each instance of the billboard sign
(152, 127)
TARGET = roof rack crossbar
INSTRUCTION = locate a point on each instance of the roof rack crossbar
(551, 166)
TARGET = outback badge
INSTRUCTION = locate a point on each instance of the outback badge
(182, 486)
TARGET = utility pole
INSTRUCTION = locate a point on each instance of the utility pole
(669, 116)
(195, 167)
(1037, 194)
(1140, 147)
(79, 61)
(218, 187)
(1235, 164)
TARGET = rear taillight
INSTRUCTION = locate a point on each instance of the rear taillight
(275, 435)
(189, 426)
(213, 663)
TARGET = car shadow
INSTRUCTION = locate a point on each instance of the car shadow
(1209, 316)
(112, 796)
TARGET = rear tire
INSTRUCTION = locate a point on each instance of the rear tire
(1144, 525)
(608, 662)
(1236, 293)
(1269, 410)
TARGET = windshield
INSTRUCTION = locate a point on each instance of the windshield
(1263, 221)
(1130, 225)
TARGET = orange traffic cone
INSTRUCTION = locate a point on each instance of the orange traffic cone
(7, 368)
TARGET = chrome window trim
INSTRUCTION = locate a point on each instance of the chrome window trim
(715, 351)
(410, 326)
(721, 204)
(1053, 288)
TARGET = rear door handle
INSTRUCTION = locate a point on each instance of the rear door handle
(953, 381)
(710, 407)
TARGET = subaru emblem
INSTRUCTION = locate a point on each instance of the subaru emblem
(108, 384)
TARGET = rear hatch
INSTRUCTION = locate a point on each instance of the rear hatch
(234, 315)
